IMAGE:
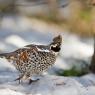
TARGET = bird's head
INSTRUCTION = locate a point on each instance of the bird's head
(55, 46)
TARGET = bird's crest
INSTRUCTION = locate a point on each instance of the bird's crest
(56, 44)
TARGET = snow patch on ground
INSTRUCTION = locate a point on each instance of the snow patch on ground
(48, 85)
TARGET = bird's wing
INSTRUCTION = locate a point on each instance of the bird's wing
(40, 48)
(23, 53)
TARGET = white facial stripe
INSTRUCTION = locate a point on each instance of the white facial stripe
(42, 50)
(54, 45)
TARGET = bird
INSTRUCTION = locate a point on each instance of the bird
(34, 59)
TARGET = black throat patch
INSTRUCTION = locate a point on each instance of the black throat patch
(55, 49)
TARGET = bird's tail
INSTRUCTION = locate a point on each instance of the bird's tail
(5, 55)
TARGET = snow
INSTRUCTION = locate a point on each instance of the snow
(75, 50)
(75, 46)
(16, 40)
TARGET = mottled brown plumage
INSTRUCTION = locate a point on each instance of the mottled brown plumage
(34, 59)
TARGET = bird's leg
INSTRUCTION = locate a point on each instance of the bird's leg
(19, 79)
(31, 81)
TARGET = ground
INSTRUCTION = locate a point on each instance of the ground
(47, 85)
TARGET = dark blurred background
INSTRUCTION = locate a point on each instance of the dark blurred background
(24, 22)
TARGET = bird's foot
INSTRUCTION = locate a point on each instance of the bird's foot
(31, 81)
(18, 79)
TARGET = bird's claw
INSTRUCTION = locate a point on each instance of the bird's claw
(31, 81)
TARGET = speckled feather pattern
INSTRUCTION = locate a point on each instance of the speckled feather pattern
(34, 59)
(31, 61)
